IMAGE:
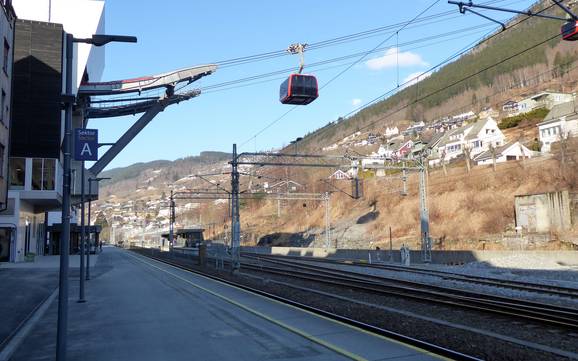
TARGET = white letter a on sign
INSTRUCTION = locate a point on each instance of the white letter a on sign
(85, 149)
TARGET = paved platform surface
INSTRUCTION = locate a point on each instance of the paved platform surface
(25, 285)
(43, 262)
(139, 309)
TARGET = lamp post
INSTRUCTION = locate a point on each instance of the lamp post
(90, 180)
(68, 99)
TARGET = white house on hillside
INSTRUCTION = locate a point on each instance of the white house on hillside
(562, 120)
(542, 100)
(416, 127)
(395, 148)
(504, 153)
(477, 137)
(339, 175)
(389, 132)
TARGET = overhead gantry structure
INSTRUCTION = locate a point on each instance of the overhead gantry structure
(319, 161)
(131, 97)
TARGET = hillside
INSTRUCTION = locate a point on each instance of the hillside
(471, 82)
(159, 173)
(468, 210)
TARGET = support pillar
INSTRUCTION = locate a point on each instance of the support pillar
(327, 222)
(235, 218)
(424, 216)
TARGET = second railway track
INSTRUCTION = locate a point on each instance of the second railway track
(489, 281)
(518, 309)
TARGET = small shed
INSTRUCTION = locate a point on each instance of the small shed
(186, 237)
(545, 212)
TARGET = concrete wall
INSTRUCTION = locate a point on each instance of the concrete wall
(438, 257)
(544, 212)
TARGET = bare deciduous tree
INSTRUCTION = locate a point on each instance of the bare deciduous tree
(493, 151)
(467, 154)
(443, 161)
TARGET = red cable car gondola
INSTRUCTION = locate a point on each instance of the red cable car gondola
(298, 89)
(570, 31)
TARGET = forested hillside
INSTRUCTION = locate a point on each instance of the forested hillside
(477, 79)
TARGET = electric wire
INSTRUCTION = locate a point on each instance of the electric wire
(477, 43)
(485, 38)
(438, 17)
(363, 56)
(459, 81)
(314, 46)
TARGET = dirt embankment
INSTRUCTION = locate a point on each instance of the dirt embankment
(467, 210)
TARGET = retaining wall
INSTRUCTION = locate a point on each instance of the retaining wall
(438, 257)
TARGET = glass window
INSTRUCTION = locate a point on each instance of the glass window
(2, 106)
(17, 172)
(49, 174)
(5, 56)
(37, 173)
(2, 160)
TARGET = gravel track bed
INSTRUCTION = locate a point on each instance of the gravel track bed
(566, 301)
(465, 341)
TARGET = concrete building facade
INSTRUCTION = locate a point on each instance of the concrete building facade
(7, 25)
(545, 212)
(35, 163)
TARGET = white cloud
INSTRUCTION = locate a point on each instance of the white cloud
(413, 78)
(355, 102)
(391, 58)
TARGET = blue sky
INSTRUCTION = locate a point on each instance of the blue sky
(180, 33)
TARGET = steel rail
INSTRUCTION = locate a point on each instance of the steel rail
(512, 309)
(491, 281)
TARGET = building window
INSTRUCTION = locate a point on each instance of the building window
(49, 174)
(2, 105)
(37, 174)
(5, 56)
(2, 148)
(43, 174)
(17, 172)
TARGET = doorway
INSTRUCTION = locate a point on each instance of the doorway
(5, 244)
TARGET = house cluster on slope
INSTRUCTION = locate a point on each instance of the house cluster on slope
(476, 136)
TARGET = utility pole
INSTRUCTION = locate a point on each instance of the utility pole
(62, 324)
(235, 218)
(327, 222)
(424, 214)
(81, 298)
(404, 182)
(171, 219)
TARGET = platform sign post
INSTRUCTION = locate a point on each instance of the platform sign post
(85, 144)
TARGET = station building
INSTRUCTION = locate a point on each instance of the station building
(7, 24)
(34, 196)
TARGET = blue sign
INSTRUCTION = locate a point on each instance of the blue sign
(85, 144)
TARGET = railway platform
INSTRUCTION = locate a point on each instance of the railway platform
(141, 309)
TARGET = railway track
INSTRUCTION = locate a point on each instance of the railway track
(489, 281)
(439, 350)
(541, 313)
